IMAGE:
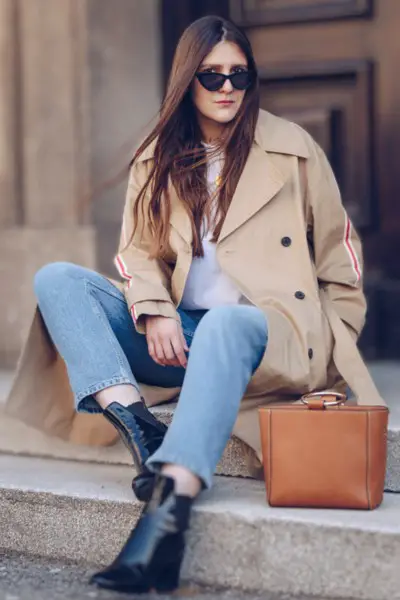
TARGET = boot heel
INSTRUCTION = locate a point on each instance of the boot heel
(168, 578)
(152, 555)
(165, 571)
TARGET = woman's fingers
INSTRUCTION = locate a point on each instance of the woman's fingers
(166, 342)
(179, 350)
(168, 351)
(155, 351)
(183, 339)
(159, 349)
(150, 347)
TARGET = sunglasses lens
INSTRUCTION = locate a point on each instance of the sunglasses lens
(241, 80)
(211, 81)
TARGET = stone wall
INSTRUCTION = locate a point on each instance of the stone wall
(78, 81)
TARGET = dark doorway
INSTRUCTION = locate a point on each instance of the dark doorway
(177, 15)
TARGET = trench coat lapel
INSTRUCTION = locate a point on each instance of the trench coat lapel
(259, 183)
(179, 218)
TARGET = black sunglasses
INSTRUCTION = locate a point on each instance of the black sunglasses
(240, 80)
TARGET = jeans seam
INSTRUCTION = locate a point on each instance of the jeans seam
(265, 345)
(97, 387)
(188, 332)
(108, 329)
(119, 296)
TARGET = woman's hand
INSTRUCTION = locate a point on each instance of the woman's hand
(165, 341)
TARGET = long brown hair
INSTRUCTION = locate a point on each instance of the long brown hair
(179, 155)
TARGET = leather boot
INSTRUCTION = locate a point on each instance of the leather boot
(142, 434)
(152, 556)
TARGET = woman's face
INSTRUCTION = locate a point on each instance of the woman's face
(223, 105)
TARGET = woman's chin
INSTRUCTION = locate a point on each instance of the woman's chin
(224, 115)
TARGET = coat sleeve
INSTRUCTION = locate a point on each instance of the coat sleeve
(336, 245)
(146, 280)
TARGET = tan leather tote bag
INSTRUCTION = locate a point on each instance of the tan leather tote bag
(323, 452)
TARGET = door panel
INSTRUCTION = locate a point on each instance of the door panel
(330, 99)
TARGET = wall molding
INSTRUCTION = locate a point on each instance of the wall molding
(251, 13)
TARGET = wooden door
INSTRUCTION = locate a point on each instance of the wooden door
(332, 66)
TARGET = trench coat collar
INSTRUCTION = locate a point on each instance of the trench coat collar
(260, 181)
(272, 134)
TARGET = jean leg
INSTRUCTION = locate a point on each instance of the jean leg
(89, 323)
(227, 348)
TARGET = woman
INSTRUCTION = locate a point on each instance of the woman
(233, 230)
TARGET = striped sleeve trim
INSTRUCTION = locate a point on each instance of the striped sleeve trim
(123, 271)
(134, 313)
(122, 268)
(348, 244)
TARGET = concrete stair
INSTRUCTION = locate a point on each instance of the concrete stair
(83, 512)
(17, 438)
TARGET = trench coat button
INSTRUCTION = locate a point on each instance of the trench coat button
(310, 353)
(286, 241)
(300, 295)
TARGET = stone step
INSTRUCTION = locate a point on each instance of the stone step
(83, 512)
(17, 438)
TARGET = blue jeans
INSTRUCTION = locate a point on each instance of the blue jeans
(89, 323)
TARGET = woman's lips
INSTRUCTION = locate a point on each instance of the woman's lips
(225, 102)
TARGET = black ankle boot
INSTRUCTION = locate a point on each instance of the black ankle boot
(152, 556)
(142, 434)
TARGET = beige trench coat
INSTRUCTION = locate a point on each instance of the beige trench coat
(288, 244)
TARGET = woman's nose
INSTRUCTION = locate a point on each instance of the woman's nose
(227, 87)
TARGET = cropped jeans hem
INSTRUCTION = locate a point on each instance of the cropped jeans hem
(85, 401)
(182, 459)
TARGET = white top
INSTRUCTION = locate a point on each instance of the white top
(207, 286)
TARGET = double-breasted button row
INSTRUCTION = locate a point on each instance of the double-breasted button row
(286, 242)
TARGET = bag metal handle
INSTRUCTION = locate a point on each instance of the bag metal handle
(340, 398)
